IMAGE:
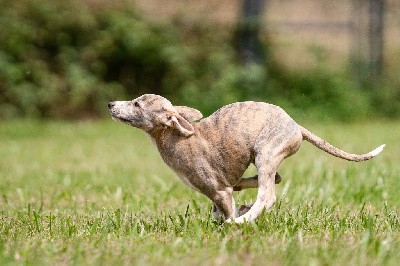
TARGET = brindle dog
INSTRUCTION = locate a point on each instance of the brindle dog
(212, 154)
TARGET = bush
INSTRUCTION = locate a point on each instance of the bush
(44, 67)
(69, 58)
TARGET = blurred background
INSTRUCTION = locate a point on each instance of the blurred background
(318, 59)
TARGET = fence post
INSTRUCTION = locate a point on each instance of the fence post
(355, 34)
(375, 35)
(247, 40)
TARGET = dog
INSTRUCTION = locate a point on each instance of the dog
(211, 155)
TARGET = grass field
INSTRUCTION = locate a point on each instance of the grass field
(98, 193)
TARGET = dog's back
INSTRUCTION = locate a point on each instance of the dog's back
(239, 124)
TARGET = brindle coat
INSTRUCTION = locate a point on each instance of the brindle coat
(211, 155)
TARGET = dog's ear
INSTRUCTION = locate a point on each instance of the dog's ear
(190, 114)
(178, 122)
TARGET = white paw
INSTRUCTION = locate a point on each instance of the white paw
(240, 220)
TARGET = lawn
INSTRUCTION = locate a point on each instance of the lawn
(97, 192)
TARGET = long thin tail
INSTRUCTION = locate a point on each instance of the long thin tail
(325, 146)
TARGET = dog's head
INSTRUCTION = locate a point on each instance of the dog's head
(151, 111)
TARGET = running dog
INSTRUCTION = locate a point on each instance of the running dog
(212, 154)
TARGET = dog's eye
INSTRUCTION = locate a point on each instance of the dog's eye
(136, 104)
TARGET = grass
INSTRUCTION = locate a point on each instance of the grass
(98, 193)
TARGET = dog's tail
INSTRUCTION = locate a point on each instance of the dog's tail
(325, 146)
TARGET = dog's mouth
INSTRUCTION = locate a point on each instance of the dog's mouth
(121, 119)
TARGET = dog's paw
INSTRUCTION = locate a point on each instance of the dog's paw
(243, 209)
(241, 220)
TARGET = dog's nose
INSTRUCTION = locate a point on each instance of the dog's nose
(111, 104)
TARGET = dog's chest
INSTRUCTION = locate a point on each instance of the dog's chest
(185, 180)
(186, 171)
(178, 156)
(190, 160)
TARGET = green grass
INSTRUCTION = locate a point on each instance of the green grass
(98, 193)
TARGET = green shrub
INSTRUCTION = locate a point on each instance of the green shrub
(43, 69)
(69, 58)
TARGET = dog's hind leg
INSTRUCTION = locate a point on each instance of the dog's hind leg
(250, 182)
(269, 154)
(266, 188)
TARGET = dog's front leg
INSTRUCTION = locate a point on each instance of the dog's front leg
(223, 204)
(252, 182)
(218, 215)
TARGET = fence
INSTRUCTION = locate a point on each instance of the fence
(366, 31)
(361, 20)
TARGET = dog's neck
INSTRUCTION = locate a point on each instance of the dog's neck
(169, 143)
(163, 136)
